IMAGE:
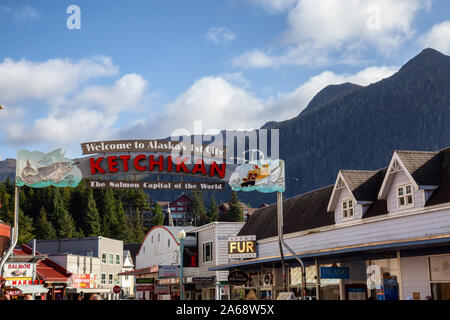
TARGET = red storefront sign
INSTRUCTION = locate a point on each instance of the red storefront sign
(145, 287)
(84, 281)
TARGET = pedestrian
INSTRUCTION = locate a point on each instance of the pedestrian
(81, 296)
(28, 297)
(95, 296)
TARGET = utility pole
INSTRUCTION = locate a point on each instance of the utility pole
(14, 231)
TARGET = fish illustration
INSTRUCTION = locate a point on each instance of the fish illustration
(54, 172)
(18, 272)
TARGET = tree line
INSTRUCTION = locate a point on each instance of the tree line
(56, 213)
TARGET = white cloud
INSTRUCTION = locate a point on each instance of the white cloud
(25, 79)
(220, 104)
(219, 35)
(438, 37)
(274, 6)
(327, 32)
(25, 13)
(125, 94)
(67, 108)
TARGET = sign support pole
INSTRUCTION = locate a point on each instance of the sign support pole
(282, 243)
(14, 231)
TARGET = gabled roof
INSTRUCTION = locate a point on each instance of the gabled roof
(442, 193)
(364, 184)
(303, 212)
(422, 167)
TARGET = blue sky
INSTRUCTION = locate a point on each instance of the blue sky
(141, 69)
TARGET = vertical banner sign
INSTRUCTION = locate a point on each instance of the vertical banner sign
(260, 175)
(38, 170)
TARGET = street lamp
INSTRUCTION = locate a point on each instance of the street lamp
(181, 236)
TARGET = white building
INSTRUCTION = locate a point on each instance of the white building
(204, 247)
(389, 229)
(127, 280)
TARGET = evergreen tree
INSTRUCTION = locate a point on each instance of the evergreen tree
(91, 225)
(25, 228)
(44, 228)
(234, 212)
(157, 216)
(213, 211)
(66, 226)
(198, 208)
(138, 228)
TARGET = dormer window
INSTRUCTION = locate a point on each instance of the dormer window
(405, 196)
(347, 209)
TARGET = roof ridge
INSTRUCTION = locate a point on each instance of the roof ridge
(416, 151)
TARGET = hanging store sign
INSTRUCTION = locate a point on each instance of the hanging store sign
(260, 175)
(18, 270)
(203, 279)
(38, 170)
(145, 280)
(334, 273)
(162, 288)
(168, 272)
(242, 247)
(237, 278)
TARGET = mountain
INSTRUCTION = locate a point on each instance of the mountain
(7, 169)
(330, 93)
(409, 110)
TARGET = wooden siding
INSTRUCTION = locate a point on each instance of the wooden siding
(395, 227)
(345, 194)
(400, 179)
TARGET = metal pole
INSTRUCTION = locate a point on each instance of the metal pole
(280, 234)
(14, 231)
(181, 269)
(281, 242)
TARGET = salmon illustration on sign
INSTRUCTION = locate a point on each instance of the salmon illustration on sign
(261, 175)
(38, 170)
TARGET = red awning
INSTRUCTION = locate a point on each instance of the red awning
(47, 269)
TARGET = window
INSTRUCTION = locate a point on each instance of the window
(159, 237)
(103, 257)
(168, 243)
(152, 239)
(207, 252)
(111, 258)
(110, 278)
(347, 209)
(180, 203)
(103, 280)
(117, 258)
(405, 197)
(126, 277)
(116, 279)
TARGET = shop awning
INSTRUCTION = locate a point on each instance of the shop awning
(88, 290)
(148, 270)
(341, 251)
(31, 289)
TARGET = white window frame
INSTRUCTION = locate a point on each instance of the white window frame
(103, 280)
(117, 260)
(111, 258)
(106, 257)
(347, 205)
(404, 196)
(204, 244)
(110, 278)
(116, 279)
